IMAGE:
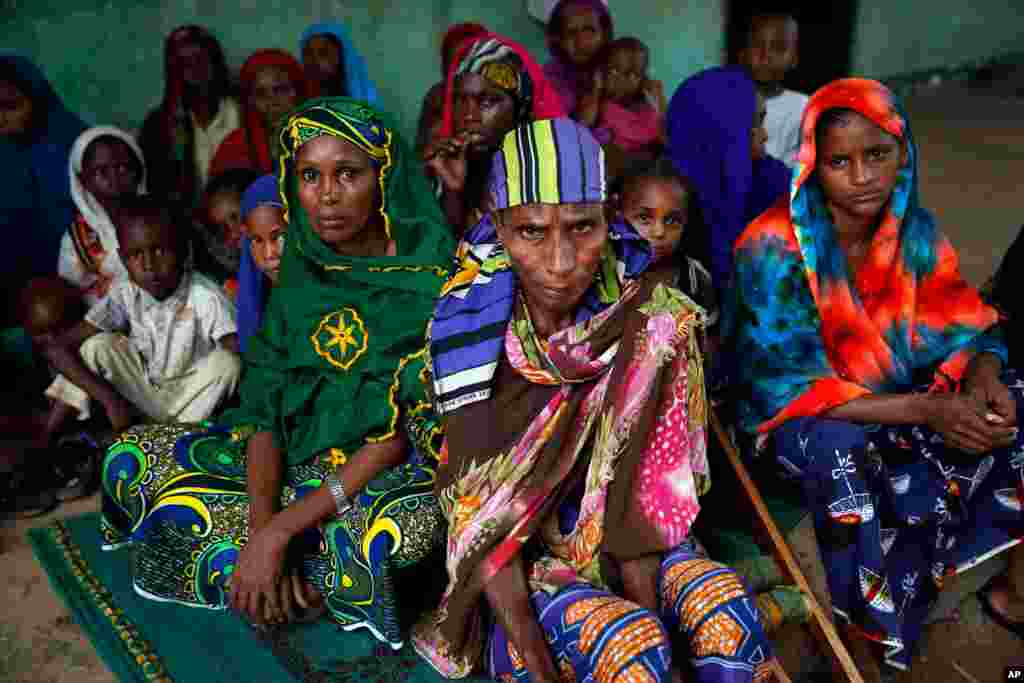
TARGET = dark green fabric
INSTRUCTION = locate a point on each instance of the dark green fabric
(142, 640)
(289, 386)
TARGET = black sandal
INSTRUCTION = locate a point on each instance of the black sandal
(984, 597)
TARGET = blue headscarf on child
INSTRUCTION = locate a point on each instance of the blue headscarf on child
(253, 285)
(709, 124)
(35, 206)
(357, 76)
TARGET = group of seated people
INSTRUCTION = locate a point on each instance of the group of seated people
(328, 357)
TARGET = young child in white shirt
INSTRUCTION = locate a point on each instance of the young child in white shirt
(770, 52)
(162, 343)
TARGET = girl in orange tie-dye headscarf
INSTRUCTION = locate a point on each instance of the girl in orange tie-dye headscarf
(847, 300)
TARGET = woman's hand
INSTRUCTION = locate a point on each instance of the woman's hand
(961, 422)
(259, 580)
(981, 382)
(446, 159)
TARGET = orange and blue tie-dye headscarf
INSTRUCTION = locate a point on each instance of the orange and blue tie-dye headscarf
(808, 335)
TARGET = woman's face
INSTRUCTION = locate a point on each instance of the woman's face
(322, 58)
(15, 110)
(224, 211)
(195, 64)
(110, 169)
(272, 94)
(484, 109)
(555, 250)
(758, 133)
(265, 228)
(657, 208)
(339, 189)
(581, 35)
(858, 165)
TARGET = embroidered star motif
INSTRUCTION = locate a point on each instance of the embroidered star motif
(341, 338)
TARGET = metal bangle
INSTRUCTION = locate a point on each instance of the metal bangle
(341, 499)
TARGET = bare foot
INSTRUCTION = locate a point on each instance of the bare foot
(1005, 603)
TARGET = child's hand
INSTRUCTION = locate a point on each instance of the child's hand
(654, 91)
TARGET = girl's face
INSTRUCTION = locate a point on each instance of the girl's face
(15, 110)
(110, 170)
(195, 63)
(484, 109)
(858, 165)
(265, 228)
(224, 211)
(625, 74)
(339, 189)
(322, 58)
(758, 134)
(658, 209)
(581, 35)
(273, 94)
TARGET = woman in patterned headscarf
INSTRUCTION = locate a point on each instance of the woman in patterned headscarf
(571, 383)
(322, 481)
(493, 86)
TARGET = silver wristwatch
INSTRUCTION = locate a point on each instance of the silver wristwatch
(341, 499)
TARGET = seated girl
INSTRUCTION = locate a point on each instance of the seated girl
(872, 378)
(716, 139)
(493, 86)
(106, 167)
(577, 33)
(321, 483)
(272, 83)
(432, 110)
(36, 135)
(263, 227)
(574, 452)
(632, 105)
(333, 65)
(219, 231)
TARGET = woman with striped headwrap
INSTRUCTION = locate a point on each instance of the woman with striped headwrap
(493, 86)
(321, 483)
(570, 380)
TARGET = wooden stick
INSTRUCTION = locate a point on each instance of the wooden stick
(778, 672)
(962, 672)
(822, 626)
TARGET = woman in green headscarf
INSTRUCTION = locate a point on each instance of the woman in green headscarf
(321, 483)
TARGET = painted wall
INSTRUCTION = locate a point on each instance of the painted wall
(908, 36)
(105, 56)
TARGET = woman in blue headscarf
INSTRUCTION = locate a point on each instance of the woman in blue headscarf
(333, 65)
(716, 139)
(36, 134)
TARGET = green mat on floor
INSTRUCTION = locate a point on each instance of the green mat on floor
(142, 640)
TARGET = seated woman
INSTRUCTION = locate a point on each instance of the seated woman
(333, 65)
(570, 381)
(493, 86)
(272, 84)
(716, 139)
(846, 299)
(36, 135)
(432, 109)
(322, 482)
(106, 166)
(263, 227)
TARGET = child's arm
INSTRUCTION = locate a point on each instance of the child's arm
(59, 413)
(64, 356)
(230, 342)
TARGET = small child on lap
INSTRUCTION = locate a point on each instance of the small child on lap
(163, 341)
(770, 53)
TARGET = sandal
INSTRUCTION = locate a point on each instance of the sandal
(984, 597)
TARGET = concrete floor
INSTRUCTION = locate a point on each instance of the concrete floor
(972, 152)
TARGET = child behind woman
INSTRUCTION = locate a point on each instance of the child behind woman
(105, 167)
(659, 202)
(633, 105)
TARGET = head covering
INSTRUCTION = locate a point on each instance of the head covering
(709, 124)
(358, 84)
(174, 125)
(558, 438)
(338, 330)
(252, 283)
(509, 66)
(567, 78)
(454, 37)
(36, 207)
(88, 206)
(810, 337)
